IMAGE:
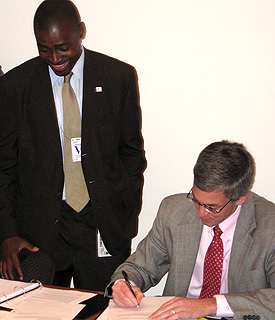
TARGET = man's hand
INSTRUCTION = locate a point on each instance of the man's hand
(185, 308)
(9, 260)
(123, 296)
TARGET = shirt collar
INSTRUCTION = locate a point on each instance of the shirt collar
(228, 226)
(79, 66)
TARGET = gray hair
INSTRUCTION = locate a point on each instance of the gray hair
(226, 166)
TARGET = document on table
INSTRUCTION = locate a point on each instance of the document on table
(43, 303)
(147, 306)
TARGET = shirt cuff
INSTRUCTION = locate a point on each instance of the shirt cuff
(223, 308)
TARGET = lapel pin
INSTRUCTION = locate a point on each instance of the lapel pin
(98, 89)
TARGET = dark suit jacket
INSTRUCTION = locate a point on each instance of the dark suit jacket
(31, 168)
(172, 246)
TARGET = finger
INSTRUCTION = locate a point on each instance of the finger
(170, 304)
(123, 296)
(167, 310)
(139, 294)
(15, 265)
(170, 314)
(29, 246)
(9, 269)
(136, 297)
(4, 270)
(123, 300)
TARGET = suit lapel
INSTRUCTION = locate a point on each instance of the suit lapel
(187, 245)
(241, 244)
(45, 111)
(93, 94)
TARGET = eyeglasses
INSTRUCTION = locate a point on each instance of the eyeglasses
(208, 208)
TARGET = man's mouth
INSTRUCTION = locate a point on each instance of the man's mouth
(59, 67)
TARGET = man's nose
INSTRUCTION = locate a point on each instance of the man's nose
(55, 57)
(202, 212)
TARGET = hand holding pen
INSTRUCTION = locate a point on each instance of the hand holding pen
(125, 276)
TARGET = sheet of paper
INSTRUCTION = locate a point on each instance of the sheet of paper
(59, 295)
(41, 310)
(44, 303)
(147, 306)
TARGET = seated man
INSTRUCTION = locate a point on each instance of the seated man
(218, 248)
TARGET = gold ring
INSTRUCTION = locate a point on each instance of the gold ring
(173, 311)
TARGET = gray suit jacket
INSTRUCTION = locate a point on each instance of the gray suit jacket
(172, 245)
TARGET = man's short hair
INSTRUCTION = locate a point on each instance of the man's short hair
(226, 166)
(52, 12)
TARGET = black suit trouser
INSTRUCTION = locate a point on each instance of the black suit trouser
(77, 255)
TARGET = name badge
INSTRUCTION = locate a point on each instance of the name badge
(76, 149)
(102, 252)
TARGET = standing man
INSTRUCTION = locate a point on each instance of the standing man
(217, 244)
(72, 157)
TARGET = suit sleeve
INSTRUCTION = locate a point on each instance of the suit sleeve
(8, 163)
(131, 146)
(151, 260)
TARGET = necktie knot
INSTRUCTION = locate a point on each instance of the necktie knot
(217, 232)
(67, 78)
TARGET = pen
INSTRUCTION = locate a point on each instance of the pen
(125, 276)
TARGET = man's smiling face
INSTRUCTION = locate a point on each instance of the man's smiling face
(60, 46)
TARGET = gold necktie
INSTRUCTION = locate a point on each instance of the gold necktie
(75, 186)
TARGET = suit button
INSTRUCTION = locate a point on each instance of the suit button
(56, 221)
(92, 181)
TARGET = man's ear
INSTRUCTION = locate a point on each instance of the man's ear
(242, 199)
(82, 30)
